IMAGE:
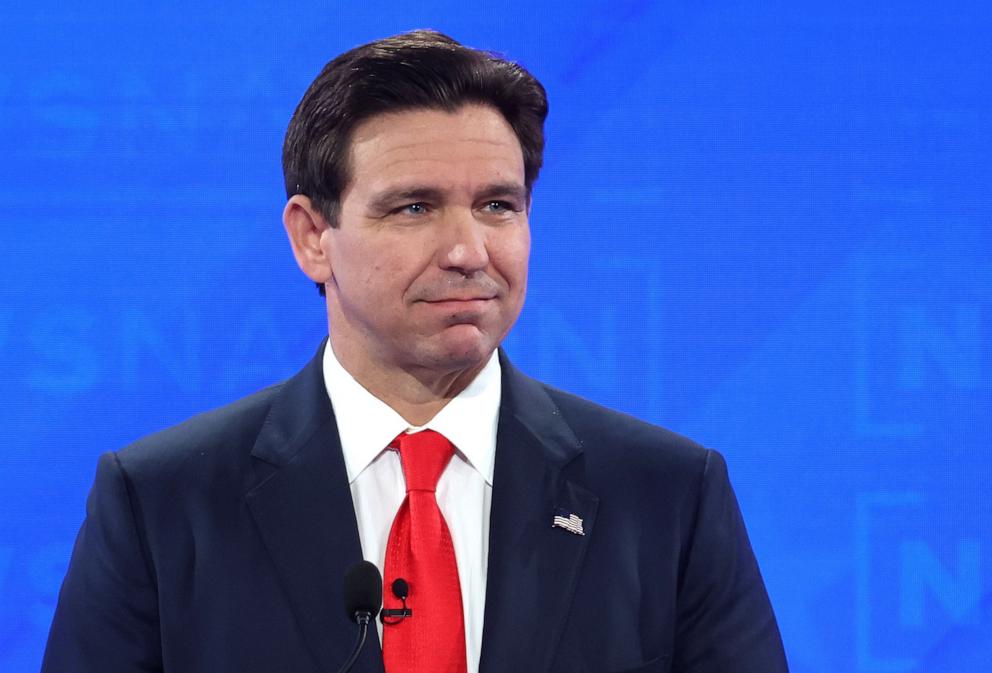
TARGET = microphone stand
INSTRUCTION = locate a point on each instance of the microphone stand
(363, 618)
(362, 601)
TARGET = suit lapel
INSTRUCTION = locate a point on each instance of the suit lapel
(533, 567)
(305, 516)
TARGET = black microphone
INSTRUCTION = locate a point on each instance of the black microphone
(362, 600)
(401, 590)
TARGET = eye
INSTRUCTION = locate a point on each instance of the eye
(418, 208)
(497, 206)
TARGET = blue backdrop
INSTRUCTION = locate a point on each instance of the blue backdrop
(763, 225)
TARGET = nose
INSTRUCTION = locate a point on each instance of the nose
(463, 245)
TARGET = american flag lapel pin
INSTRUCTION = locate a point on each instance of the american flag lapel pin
(567, 520)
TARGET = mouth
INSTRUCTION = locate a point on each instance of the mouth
(458, 302)
(459, 299)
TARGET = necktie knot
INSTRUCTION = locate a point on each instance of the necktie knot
(424, 456)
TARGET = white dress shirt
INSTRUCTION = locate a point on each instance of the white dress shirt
(367, 425)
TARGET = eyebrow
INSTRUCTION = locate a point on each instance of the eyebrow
(512, 190)
(387, 199)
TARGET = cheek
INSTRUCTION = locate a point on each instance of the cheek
(511, 257)
(364, 261)
(388, 275)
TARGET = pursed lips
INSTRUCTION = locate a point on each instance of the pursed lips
(446, 300)
(483, 295)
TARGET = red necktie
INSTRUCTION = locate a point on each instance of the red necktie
(432, 639)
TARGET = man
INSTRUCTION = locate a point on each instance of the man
(534, 531)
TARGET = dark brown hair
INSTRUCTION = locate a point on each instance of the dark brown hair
(415, 70)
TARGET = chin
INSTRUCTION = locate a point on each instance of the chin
(464, 348)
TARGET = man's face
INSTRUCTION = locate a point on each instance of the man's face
(429, 258)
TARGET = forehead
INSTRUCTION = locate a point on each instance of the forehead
(472, 143)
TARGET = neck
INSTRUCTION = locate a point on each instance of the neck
(415, 393)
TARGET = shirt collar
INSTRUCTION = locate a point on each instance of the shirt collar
(366, 424)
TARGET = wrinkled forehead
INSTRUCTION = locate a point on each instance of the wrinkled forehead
(471, 145)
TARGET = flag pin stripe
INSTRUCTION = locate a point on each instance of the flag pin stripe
(567, 521)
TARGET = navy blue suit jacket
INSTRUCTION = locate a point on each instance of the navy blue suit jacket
(220, 545)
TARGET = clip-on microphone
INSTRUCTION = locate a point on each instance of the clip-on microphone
(401, 590)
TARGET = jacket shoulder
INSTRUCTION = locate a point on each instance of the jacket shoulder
(592, 416)
(612, 437)
(222, 437)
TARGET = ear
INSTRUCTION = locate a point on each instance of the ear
(305, 225)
